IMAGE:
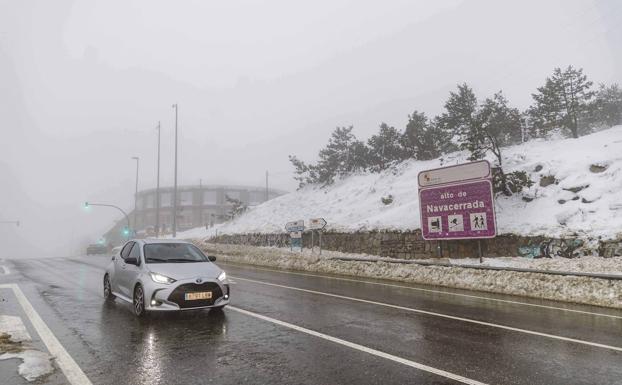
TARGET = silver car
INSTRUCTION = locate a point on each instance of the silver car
(165, 275)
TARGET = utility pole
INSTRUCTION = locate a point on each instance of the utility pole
(137, 159)
(157, 224)
(175, 183)
(267, 190)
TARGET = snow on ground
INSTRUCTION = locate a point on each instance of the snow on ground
(354, 203)
(586, 264)
(586, 290)
(14, 340)
(35, 364)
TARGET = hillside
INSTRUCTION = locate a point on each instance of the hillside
(583, 197)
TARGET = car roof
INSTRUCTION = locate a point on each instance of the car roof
(159, 240)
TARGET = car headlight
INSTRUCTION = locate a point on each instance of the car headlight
(159, 278)
(222, 276)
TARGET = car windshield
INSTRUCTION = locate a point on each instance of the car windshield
(173, 253)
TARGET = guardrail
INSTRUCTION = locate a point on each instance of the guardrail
(479, 267)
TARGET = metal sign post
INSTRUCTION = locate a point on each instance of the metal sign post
(317, 224)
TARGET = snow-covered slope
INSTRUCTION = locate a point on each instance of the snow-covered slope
(354, 203)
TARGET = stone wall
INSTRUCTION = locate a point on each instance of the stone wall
(410, 245)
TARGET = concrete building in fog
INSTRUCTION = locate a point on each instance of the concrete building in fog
(197, 206)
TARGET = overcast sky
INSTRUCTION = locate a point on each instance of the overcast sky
(83, 85)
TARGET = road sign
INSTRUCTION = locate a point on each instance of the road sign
(458, 211)
(295, 240)
(317, 223)
(295, 226)
(455, 174)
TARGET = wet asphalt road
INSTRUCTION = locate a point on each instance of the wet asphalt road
(482, 338)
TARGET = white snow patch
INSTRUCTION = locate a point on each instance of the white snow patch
(34, 363)
(585, 290)
(354, 203)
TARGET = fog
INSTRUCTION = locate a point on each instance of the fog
(84, 84)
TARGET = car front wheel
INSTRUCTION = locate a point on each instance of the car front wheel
(139, 301)
(108, 296)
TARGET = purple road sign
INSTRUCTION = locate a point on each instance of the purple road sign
(458, 211)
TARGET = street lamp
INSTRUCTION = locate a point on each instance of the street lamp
(175, 183)
(157, 224)
(127, 218)
(137, 159)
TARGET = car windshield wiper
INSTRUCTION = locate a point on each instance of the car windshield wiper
(156, 260)
(181, 260)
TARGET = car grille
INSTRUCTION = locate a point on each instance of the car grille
(178, 296)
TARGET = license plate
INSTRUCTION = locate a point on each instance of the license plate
(198, 295)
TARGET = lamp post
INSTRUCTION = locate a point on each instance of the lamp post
(175, 182)
(137, 159)
(127, 218)
(157, 225)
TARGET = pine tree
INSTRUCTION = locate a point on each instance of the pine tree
(385, 148)
(497, 125)
(304, 173)
(237, 206)
(563, 101)
(459, 118)
(607, 106)
(422, 139)
(342, 155)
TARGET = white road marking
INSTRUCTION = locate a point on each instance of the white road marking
(6, 269)
(413, 310)
(70, 368)
(438, 292)
(361, 348)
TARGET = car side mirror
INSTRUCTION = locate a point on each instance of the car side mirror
(212, 258)
(131, 261)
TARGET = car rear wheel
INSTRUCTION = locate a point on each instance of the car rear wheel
(108, 296)
(139, 301)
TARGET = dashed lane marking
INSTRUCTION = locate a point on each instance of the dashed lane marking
(361, 348)
(434, 291)
(70, 368)
(447, 316)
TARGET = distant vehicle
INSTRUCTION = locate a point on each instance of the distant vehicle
(96, 248)
(165, 275)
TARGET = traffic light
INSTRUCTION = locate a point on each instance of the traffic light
(126, 231)
(86, 205)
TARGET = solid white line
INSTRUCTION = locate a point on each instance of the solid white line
(361, 348)
(583, 342)
(6, 269)
(70, 368)
(434, 291)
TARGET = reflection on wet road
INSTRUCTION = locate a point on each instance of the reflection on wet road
(272, 340)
